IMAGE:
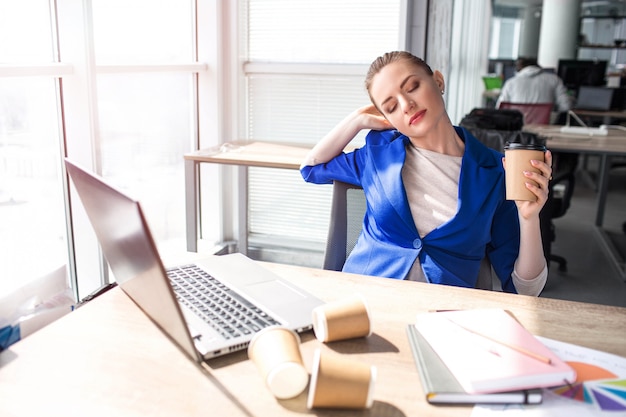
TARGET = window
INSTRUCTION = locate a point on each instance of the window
(505, 37)
(115, 85)
(146, 119)
(32, 226)
(305, 64)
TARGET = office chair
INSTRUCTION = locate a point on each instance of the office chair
(534, 113)
(346, 222)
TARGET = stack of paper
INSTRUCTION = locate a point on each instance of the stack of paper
(482, 356)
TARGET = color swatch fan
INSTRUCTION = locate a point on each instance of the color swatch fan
(597, 386)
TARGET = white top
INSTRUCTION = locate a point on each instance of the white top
(435, 201)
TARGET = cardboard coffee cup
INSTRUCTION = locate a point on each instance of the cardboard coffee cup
(340, 382)
(276, 352)
(518, 157)
(347, 318)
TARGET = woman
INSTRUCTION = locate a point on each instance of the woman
(435, 195)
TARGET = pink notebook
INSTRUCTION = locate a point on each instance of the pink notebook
(487, 350)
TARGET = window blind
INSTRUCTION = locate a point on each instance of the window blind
(306, 63)
(347, 31)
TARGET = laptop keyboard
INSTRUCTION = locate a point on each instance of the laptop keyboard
(223, 309)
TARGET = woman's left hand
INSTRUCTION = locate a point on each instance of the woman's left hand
(528, 209)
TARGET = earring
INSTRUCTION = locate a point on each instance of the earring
(442, 91)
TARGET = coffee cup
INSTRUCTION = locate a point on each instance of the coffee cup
(518, 157)
(346, 318)
(276, 352)
(340, 382)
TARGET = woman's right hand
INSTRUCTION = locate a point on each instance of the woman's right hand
(371, 118)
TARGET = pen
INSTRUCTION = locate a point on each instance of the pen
(519, 349)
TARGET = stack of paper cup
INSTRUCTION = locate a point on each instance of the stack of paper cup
(336, 381)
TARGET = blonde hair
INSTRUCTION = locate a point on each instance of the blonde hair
(391, 57)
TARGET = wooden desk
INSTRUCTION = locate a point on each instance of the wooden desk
(107, 359)
(614, 144)
(606, 116)
(243, 155)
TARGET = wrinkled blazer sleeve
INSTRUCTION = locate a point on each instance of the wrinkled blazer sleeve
(348, 167)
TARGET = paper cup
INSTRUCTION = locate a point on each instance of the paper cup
(518, 157)
(276, 352)
(347, 318)
(337, 382)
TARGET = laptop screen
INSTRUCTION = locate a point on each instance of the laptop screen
(129, 248)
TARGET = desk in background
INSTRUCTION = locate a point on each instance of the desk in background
(606, 147)
(242, 155)
(108, 359)
(606, 116)
(611, 117)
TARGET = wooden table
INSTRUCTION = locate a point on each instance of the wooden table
(108, 359)
(242, 155)
(613, 144)
(606, 116)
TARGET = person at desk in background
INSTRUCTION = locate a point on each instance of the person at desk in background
(531, 84)
(435, 195)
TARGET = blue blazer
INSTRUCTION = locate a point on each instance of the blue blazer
(486, 224)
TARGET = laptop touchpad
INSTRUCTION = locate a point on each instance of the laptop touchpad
(274, 291)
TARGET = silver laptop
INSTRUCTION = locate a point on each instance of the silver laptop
(180, 300)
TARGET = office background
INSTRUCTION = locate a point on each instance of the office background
(127, 87)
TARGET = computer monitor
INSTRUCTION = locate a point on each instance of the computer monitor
(576, 73)
(503, 67)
